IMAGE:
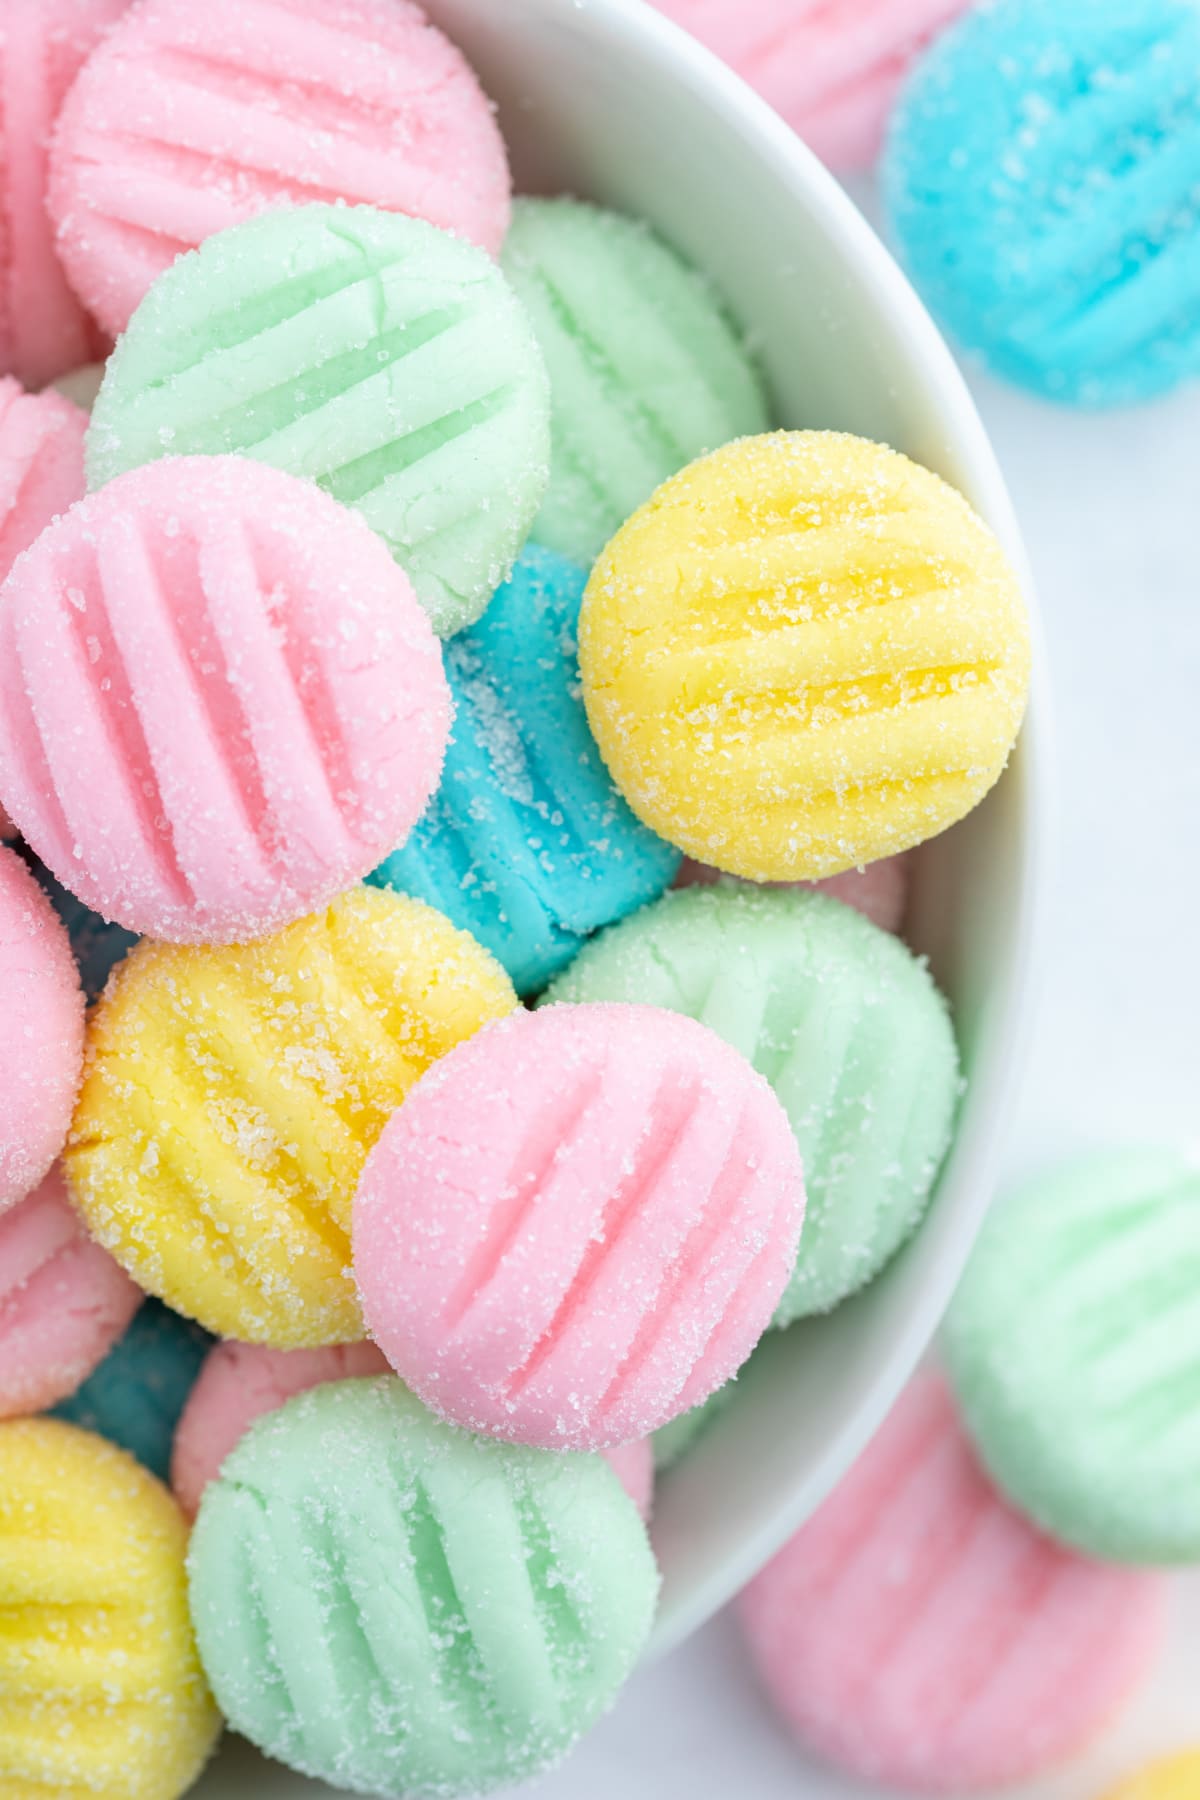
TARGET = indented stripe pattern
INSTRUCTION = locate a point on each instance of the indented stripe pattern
(392, 364)
(196, 633)
(646, 369)
(486, 1597)
(920, 1632)
(619, 1201)
(103, 1691)
(185, 123)
(1060, 236)
(232, 1097)
(1074, 1345)
(846, 1025)
(794, 631)
(63, 1300)
(527, 842)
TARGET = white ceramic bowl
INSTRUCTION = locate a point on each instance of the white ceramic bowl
(604, 99)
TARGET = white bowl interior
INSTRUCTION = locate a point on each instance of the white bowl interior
(604, 99)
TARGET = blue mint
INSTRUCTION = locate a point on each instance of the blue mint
(1043, 183)
(527, 844)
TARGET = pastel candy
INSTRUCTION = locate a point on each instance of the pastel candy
(1072, 1344)
(1174, 1778)
(848, 1028)
(98, 946)
(232, 1095)
(527, 844)
(1041, 181)
(647, 371)
(41, 464)
(41, 449)
(832, 71)
(804, 653)
(64, 1302)
(879, 891)
(237, 1384)
(188, 120)
(101, 1691)
(921, 1634)
(43, 328)
(220, 703)
(578, 1225)
(468, 1608)
(136, 1395)
(41, 1032)
(385, 360)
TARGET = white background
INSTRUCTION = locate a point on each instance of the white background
(1110, 505)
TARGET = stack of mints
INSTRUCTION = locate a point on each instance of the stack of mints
(426, 586)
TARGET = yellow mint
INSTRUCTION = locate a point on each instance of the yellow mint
(231, 1097)
(804, 653)
(101, 1689)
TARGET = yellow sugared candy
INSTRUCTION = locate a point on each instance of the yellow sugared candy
(231, 1096)
(804, 653)
(1177, 1778)
(101, 1690)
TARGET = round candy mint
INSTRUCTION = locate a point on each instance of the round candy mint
(647, 371)
(847, 1026)
(1042, 179)
(527, 844)
(382, 358)
(1073, 1344)
(397, 1607)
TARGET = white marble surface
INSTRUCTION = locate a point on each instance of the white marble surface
(1111, 509)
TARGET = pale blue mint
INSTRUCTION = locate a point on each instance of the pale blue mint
(1043, 184)
(527, 843)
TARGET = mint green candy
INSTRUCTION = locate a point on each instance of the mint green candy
(394, 1606)
(384, 359)
(647, 371)
(1074, 1347)
(846, 1025)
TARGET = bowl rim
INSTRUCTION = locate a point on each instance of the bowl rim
(635, 28)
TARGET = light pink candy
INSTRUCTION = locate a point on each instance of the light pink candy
(197, 114)
(41, 465)
(238, 1384)
(880, 891)
(633, 1465)
(221, 703)
(41, 1031)
(64, 1302)
(920, 1633)
(43, 328)
(831, 67)
(41, 473)
(578, 1224)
